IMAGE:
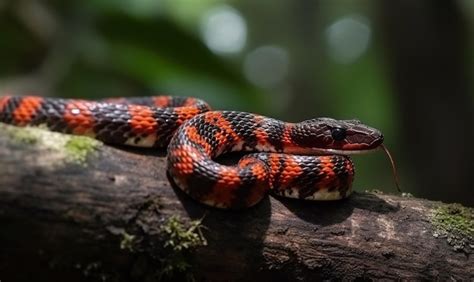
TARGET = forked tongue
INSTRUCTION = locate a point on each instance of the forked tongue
(394, 168)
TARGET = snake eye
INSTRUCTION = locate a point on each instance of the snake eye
(338, 133)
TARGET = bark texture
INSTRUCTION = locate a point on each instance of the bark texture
(107, 216)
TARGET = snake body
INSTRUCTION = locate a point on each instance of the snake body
(306, 160)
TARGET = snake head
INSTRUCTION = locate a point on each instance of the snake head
(330, 136)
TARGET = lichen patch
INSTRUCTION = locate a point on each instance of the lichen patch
(387, 228)
(79, 147)
(61, 148)
(455, 223)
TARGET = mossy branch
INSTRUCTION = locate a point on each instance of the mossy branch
(111, 214)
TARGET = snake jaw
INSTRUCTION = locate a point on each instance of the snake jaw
(321, 151)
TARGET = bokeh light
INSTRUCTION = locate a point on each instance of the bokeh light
(348, 38)
(224, 30)
(266, 66)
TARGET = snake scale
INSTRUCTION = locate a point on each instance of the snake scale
(305, 160)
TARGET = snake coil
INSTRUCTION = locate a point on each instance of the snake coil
(306, 160)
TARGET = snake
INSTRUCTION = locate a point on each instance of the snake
(307, 160)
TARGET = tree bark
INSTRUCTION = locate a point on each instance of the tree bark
(104, 216)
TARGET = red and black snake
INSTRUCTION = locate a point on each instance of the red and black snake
(306, 160)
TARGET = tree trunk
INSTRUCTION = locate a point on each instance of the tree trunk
(428, 55)
(74, 209)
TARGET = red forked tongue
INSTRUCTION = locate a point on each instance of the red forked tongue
(394, 169)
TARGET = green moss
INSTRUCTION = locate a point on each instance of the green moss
(128, 242)
(180, 239)
(21, 135)
(24, 136)
(62, 146)
(78, 148)
(455, 223)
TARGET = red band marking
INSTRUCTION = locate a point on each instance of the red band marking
(26, 110)
(142, 121)
(161, 101)
(260, 134)
(327, 170)
(185, 113)
(186, 156)
(218, 120)
(189, 102)
(290, 172)
(79, 118)
(193, 135)
(223, 191)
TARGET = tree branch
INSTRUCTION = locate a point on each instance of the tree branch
(72, 207)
